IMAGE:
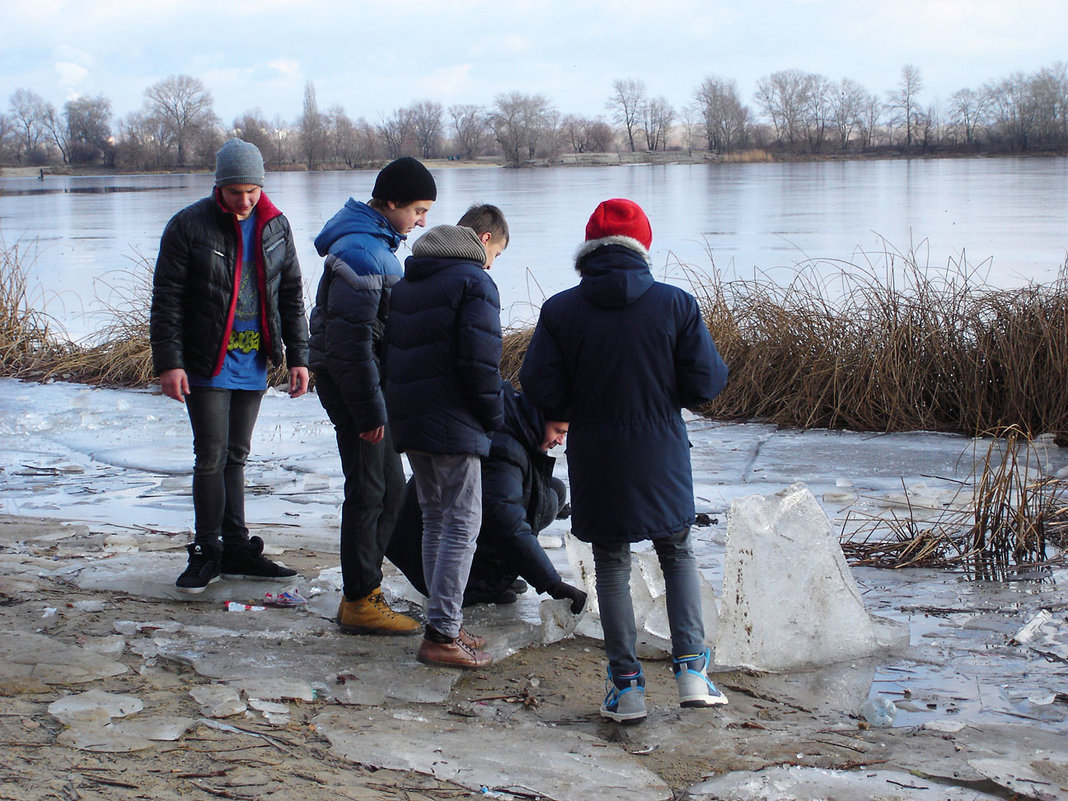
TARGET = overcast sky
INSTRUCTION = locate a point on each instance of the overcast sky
(374, 57)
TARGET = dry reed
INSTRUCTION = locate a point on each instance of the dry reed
(918, 349)
(27, 342)
(1005, 515)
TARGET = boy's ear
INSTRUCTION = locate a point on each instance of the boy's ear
(485, 238)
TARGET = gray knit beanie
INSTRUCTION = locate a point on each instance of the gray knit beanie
(451, 242)
(238, 162)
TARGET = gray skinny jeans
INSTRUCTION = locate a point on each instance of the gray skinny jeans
(449, 488)
(683, 589)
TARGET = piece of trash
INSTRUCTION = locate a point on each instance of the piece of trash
(1028, 632)
(879, 711)
(234, 606)
(287, 598)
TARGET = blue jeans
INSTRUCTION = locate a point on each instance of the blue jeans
(677, 561)
(449, 487)
(222, 422)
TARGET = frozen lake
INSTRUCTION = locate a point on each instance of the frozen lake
(120, 460)
(1004, 216)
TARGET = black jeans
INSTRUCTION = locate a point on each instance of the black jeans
(222, 422)
(374, 492)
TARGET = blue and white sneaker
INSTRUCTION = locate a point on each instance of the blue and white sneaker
(695, 688)
(624, 700)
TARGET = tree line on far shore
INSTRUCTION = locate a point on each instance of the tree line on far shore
(792, 113)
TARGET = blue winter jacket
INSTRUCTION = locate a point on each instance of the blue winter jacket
(619, 356)
(443, 348)
(352, 304)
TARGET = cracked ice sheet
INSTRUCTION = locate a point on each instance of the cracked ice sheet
(816, 784)
(549, 762)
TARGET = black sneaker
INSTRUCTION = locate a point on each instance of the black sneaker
(246, 561)
(202, 570)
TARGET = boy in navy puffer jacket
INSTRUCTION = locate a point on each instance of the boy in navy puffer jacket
(443, 396)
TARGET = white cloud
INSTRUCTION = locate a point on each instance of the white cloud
(70, 76)
(289, 67)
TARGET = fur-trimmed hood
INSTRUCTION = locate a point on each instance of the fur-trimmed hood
(615, 271)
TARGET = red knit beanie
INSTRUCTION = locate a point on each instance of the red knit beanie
(619, 217)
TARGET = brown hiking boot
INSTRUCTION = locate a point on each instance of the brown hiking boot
(372, 615)
(474, 641)
(437, 649)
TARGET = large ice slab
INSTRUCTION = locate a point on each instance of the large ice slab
(789, 600)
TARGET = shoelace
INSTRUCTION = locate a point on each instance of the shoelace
(379, 600)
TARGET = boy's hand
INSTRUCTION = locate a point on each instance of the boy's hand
(374, 436)
(298, 381)
(174, 383)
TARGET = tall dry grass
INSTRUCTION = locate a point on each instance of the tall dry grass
(1002, 519)
(28, 344)
(910, 348)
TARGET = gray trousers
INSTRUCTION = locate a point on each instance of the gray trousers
(449, 487)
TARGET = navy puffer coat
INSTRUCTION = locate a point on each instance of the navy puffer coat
(194, 296)
(443, 348)
(619, 356)
(352, 304)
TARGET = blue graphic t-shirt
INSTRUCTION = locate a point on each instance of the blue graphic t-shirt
(245, 366)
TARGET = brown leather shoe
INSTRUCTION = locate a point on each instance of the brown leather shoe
(372, 615)
(454, 653)
(474, 641)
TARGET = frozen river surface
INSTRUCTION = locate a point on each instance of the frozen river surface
(120, 460)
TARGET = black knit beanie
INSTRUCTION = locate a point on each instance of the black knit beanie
(403, 181)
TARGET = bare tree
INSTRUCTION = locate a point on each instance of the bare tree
(627, 104)
(185, 106)
(848, 101)
(399, 134)
(313, 134)
(585, 135)
(816, 115)
(352, 142)
(783, 96)
(724, 117)
(903, 103)
(520, 122)
(29, 116)
(88, 121)
(426, 123)
(253, 127)
(657, 117)
(967, 108)
(469, 124)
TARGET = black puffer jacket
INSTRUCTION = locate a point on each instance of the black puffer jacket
(443, 348)
(194, 289)
(517, 502)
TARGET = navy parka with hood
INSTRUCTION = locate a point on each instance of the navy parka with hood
(618, 357)
(443, 348)
(352, 304)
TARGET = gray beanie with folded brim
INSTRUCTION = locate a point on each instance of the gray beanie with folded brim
(238, 162)
(451, 242)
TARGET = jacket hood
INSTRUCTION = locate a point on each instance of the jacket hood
(615, 271)
(356, 218)
(522, 419)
